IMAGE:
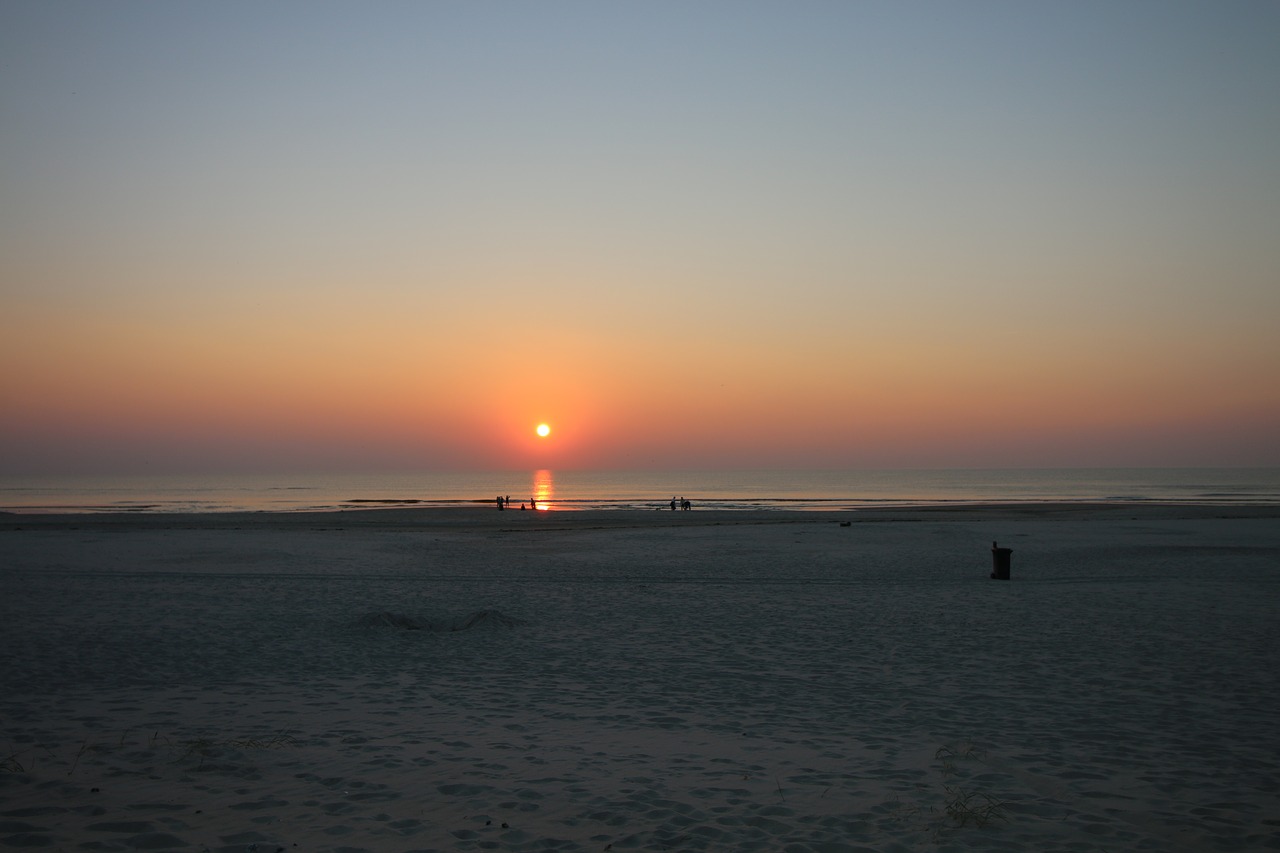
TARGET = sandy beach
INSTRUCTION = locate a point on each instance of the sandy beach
(585, 681)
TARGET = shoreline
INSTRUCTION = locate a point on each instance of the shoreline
(741, 490)
(489, 518)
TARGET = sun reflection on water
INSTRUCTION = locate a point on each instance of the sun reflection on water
(543, 489)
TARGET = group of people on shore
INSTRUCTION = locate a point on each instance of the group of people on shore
(504, 501)
(682, 503)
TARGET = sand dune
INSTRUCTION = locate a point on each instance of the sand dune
(464, 680)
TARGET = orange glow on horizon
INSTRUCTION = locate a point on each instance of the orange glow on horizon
(148, 393)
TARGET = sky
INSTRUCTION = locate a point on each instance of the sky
(359, 236)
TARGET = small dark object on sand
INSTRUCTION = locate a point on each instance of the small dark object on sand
(1000, 558)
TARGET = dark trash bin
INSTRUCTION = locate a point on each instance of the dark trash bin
(1000, 562)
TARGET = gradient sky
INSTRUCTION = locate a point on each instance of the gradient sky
(355, 236)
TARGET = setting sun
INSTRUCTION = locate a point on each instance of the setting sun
(543, 430)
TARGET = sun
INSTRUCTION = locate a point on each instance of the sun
(543, 430)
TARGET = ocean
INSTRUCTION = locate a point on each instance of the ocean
(576, 490)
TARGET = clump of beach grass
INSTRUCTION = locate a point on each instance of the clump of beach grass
(961, 751)
(967, 806)
(973, 807)
(87, 747)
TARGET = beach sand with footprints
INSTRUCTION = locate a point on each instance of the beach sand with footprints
(473, 680)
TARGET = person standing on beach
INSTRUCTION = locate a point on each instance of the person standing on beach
(673, 503)
(500, 504)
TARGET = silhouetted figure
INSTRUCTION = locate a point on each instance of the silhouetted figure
(685, 504)
(501, 505)
(673, 503)
(522, 507)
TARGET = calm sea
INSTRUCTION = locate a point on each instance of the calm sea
(569, 490)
